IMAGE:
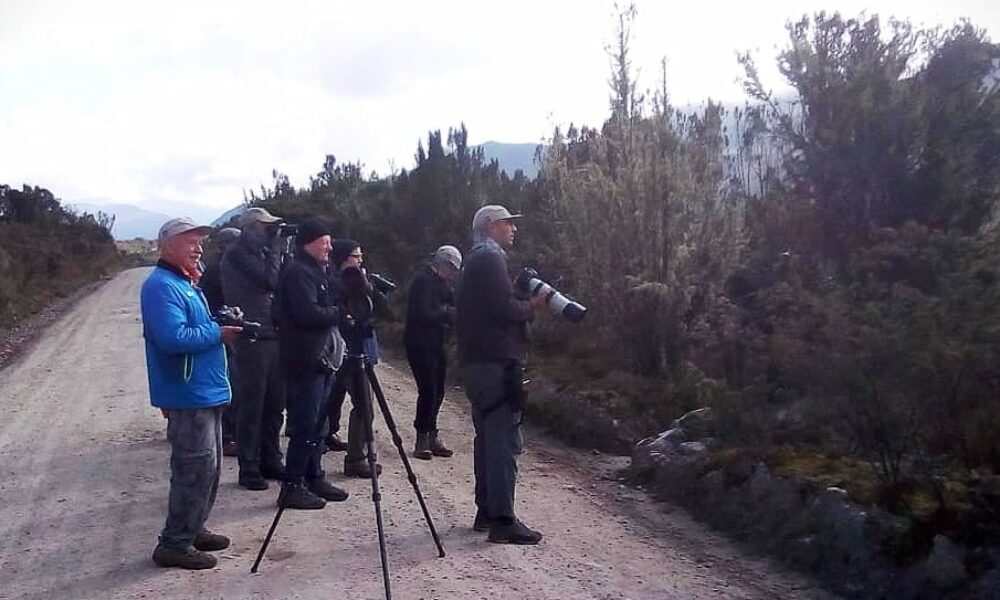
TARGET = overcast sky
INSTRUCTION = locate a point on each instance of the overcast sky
(178, 106)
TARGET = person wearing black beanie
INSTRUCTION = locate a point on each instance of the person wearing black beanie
(309, 231)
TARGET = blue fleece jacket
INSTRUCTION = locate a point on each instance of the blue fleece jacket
(185, 356)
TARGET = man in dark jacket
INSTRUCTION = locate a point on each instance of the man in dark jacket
(211, 286)
(430, 310)
(490, 324)
(186, 366)
(249, 277)
(306, 315)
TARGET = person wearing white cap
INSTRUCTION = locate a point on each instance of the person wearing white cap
(430, 311)
(186, 367)
(490, 324)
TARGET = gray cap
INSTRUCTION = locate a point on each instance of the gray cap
(180, 225)
(450, 255)
(257, 215)
(226, 235)
(489, 213)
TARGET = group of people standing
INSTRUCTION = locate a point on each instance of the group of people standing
(293, 365)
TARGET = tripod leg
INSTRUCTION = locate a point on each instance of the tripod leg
(398, 442)
(364, 402)
(270, 532)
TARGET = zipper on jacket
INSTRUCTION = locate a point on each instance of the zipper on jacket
(188, 367)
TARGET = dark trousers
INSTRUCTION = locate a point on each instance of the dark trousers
(260, 396)
(429, 366)
(229, 413)
(498, 439)
(195, 437)
(335, 405)
(307, 393)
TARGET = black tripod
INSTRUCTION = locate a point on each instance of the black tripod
(361, 382)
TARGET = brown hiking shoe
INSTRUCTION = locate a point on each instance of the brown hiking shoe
(186, 558)
(422, 449)
(438, 448)
(206, 541)
(229, 448)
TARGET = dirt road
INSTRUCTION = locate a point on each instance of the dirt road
(83, 483)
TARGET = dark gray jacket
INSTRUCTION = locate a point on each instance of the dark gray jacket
(249, 278)
(491, 322)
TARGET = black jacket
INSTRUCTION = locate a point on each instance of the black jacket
(211, 285)
(305, 312)
(491, 322)
(249, 278)
(429, 310)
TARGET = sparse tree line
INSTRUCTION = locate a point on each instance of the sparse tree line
(47, 250)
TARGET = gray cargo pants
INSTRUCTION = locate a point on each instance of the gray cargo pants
(195, 437)
(498, 439)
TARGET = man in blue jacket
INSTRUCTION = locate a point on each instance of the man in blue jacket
(186, 365)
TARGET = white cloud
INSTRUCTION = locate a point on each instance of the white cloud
(179, 105)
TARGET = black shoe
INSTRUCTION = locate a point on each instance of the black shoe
(422, 448)
(514, 532)
(335, 444)
(275, 472)
(326, 490)
(360, 468)
(253, 481)
(229, 448)
(482, 522)
(438, 448)
(188, 558)
(296, 496)
(206, 541)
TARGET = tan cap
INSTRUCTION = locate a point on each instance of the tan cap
(450, 255)
(257, 215)
(180, 225)
(489, 213)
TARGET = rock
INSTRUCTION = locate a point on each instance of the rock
(698, 423)
(692, 448)
(945, 564)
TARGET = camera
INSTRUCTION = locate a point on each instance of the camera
(229, 316)
(288, 229)
(380, 283)
(529, 282)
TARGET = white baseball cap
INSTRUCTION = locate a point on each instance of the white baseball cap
(450, 255)
(490, 213)
(181, 225)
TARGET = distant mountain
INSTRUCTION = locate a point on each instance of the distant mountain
(130, 221)
(512, 157)
(223, 219)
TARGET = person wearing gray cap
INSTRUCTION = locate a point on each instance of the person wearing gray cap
(490, 324)
(186, 368)
(430, 310)
(250, 269)
(211, 286)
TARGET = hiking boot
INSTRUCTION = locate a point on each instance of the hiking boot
(253, 481)
(275, 472)
(186, 558)
(206, 541)
(360, 468)
(482, 522)
(326, 490)
(422, 449)
(229, 448)
(438, 448)
(514, 532)
(296, 496)
(335, 444)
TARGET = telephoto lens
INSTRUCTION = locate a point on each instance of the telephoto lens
(530, 282)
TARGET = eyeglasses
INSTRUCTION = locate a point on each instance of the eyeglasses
(355, 255)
